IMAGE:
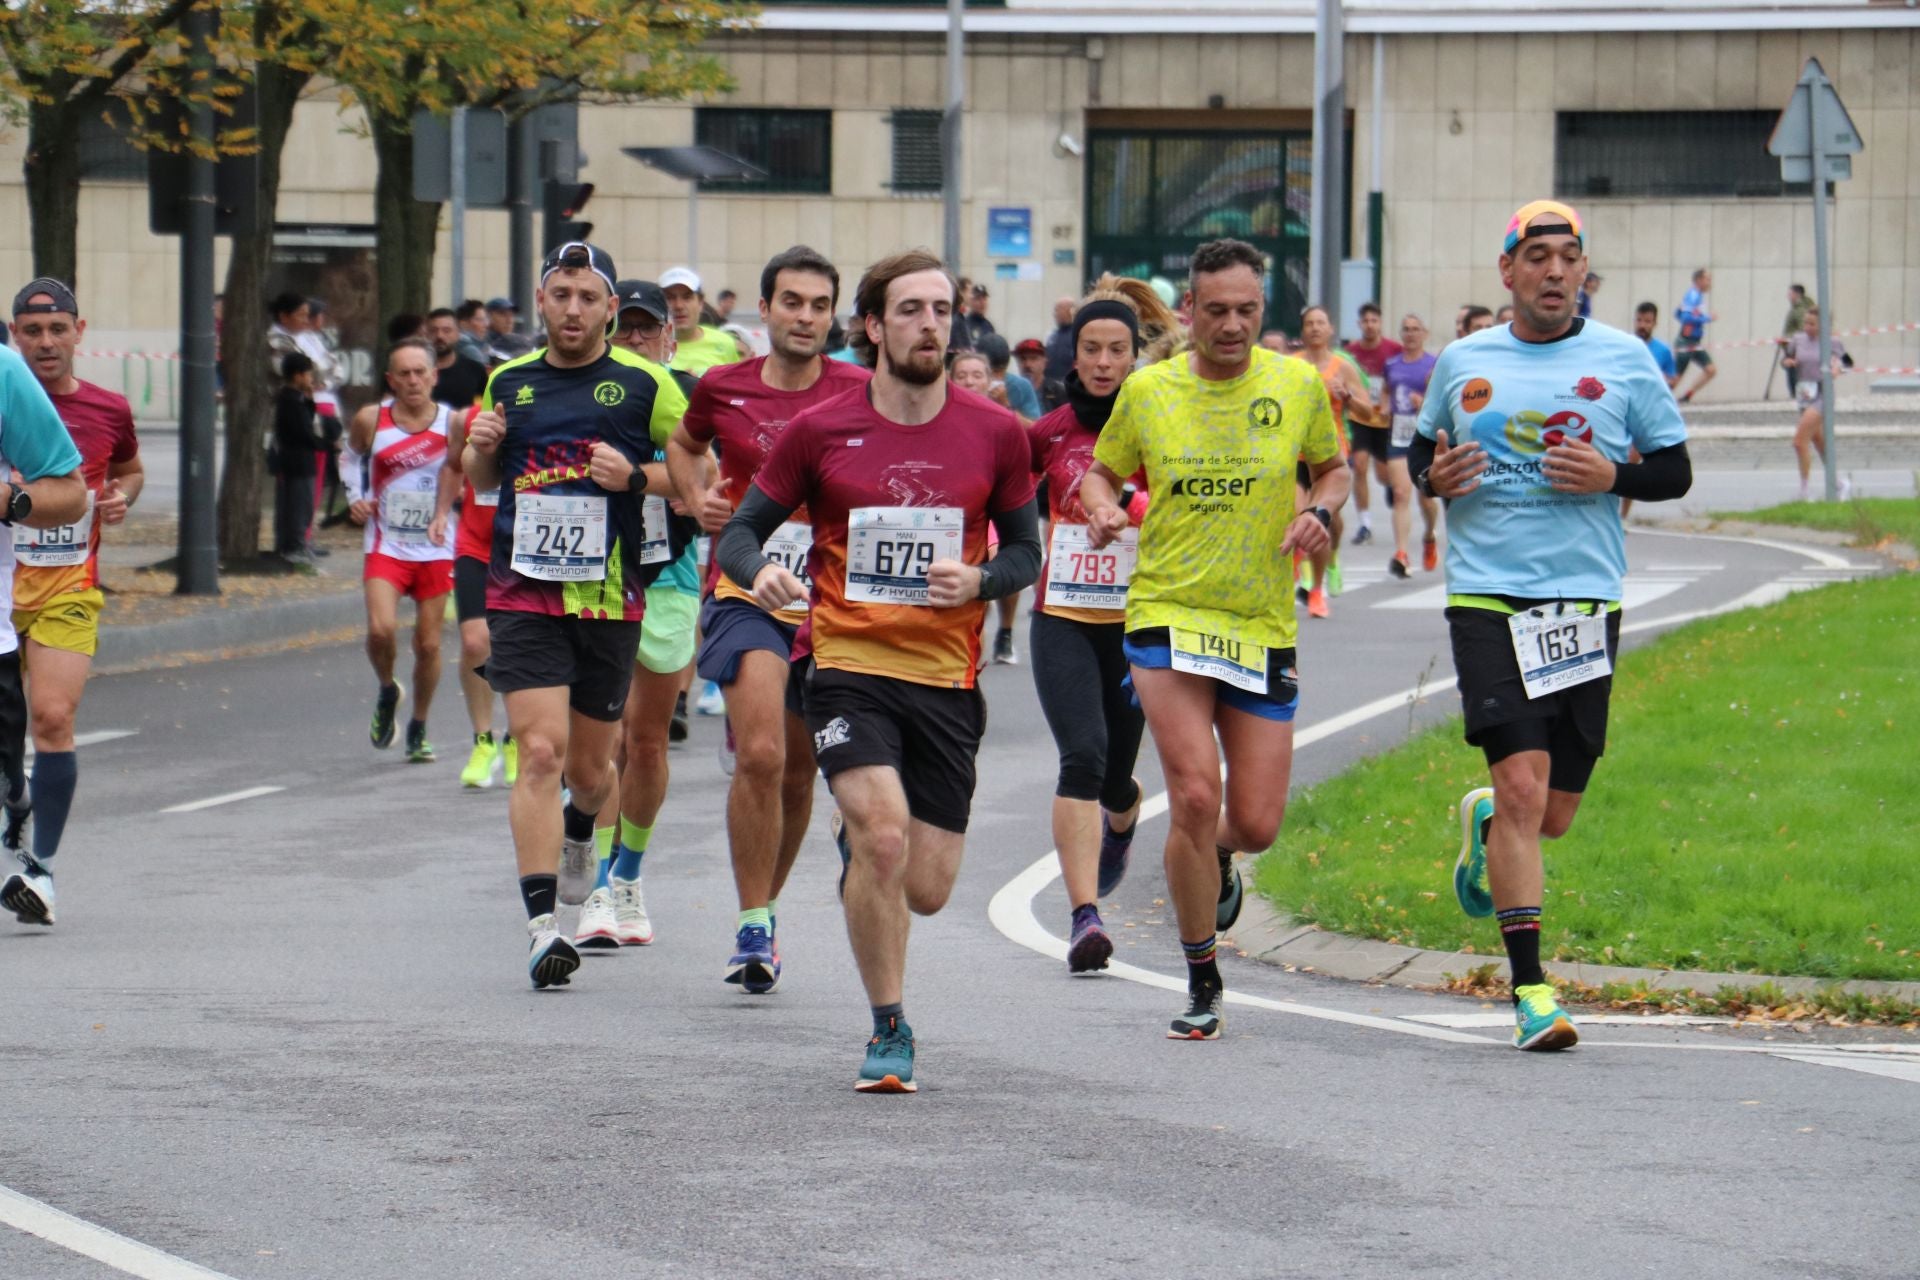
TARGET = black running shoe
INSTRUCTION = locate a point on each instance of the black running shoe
(384, 721)
(1202, 1020)
(1233, 894)
(1003, 654)
(677, 727)
(1363, 536)
(19, 829)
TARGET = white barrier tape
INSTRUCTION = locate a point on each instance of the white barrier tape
(1905, 327)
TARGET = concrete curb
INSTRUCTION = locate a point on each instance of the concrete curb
(1265, 934)
(227, 633)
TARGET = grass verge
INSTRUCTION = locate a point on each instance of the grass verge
(1756, 812)
(1873, 522)
(1762, 1002)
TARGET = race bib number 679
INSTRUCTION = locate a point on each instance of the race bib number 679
(890, 549)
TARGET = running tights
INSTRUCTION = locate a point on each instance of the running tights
(1081, 674)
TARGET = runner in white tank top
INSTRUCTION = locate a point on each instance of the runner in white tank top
(405, 471)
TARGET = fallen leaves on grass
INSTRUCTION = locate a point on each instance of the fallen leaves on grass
(1762, 1003)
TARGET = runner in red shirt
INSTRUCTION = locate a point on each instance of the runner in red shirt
(899, 480)
(1370, 427)
(747, 649)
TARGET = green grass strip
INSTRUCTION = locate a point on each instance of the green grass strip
(1871, 521)
(1758, 810)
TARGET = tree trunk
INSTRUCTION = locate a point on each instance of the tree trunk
(244, 337)
(408, 228)
(52, 170)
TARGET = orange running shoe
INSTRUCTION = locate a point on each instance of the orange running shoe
(1317, 601)
(1429, 554)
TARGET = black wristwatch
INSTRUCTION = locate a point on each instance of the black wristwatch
(19, 504)
(1325, 517)
(637, 479)
(1425, 485)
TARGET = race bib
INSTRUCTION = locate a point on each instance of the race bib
(559, 539)
(788, 548)
(405, 514)
(1806, 392)
(1559, 650)
(890, 549)
(655, 548)
(1403, 429)
(487, 497)
(1234, 662)
(57, 548)
(1081, 578)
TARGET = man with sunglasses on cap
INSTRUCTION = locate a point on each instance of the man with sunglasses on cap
(56, 581)
(566, 433)
(1525, 432)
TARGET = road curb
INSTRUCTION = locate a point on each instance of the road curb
(226, 633)
(1266, 934)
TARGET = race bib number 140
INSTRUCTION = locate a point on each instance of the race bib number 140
(890, 549)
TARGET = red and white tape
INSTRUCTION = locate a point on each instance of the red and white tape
(1879, 368)
(129, 355)
(1906, 327)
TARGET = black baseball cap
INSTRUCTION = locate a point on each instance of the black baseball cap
(63, 299)
(577, 254)
(642, 295)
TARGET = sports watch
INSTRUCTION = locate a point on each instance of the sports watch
(19, 504)
(1324, 516)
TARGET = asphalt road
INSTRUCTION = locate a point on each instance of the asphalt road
(292, 1036)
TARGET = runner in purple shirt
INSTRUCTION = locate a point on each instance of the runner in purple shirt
(1406, 375)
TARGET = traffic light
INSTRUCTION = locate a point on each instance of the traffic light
(562, 203)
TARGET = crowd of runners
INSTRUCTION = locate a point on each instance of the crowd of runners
(629, 505)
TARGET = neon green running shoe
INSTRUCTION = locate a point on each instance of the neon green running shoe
(1540, 1024)
(1336, 583)
(510, 758)
(1470, 871)
(419, 750)
(479, 771)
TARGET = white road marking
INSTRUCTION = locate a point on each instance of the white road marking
(81, 1237)
(92, 739)
(1640, 592)
(232, 797)
(1815, 554)
(1504, 1020)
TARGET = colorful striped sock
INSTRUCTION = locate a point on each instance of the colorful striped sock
(1520, 932)
(1201, 967)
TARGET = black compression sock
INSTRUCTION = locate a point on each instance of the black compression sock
(540, 893)
(579, 825)
(885, 1014)
(1520, 931)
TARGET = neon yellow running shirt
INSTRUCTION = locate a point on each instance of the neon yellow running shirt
(1220, 459)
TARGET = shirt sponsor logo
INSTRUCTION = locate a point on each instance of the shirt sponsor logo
(525, 396)
(1590, 388)
(1475, 395)
(1212, 487)
(609, 394)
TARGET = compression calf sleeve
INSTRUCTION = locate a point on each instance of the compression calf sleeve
(55, 775)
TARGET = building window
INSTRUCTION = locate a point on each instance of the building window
(917, 163)
(1666, 153)
(107, 153)
(795, 148)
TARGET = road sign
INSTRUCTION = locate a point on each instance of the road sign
(486, 158)
(1814, 104)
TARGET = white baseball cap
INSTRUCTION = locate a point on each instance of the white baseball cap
(686, 277)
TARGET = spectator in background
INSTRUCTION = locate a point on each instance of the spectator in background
(471, 317)
(1583, 297)
(1060, 342)
(329, 366)
(1031, 356)
(839, 346)
(973, 325)
(290, 319)
(460, 380)
(1504, 315)
(1460, 320)
(1475, 318)
(1694, 317)
(1020, 395)
(1645, 317)
(297, 445)
(1798, 304)
(723, 307)
(406, 327)
(1276, 340)
(506, 341)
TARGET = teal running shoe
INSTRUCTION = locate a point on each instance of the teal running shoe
(889, 1064)
(1540, 1024)
(1470, 872)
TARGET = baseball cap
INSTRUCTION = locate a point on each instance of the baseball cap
(1029, 347)
(501, 304)
(685, 277)
(576, 254)
(1566, 223)
(63, 299)
(642, 295)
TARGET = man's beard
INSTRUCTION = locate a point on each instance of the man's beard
(917, 370)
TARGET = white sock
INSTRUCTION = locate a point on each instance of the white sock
(1366, 519)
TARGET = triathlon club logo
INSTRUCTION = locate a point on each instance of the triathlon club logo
(1264, 414)
(1590, 388)
(1531, 432)
(609, 394)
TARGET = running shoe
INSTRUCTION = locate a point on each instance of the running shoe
(1398, 566)
(1302, 578)
(1844, 490)
(384, 722)
(630, 913)
(1539, 1023)
(28, 893)
(18, 836)
(726, 748)
(1336, 581)
(1429, 554)
(1233, 894)
(889, 1064)
(1470, 870)
(478, 774)
(1003, 654)
(677, 727)
(1091, 947)
(510, 762)
(1202, 1020)
(1363, 537)
(1317, 602)
(419, 750)
(599, 928)
(1116, 847)
(751, 967)
(711, 702)
(579, 868)
(551, 959)
(837, 828)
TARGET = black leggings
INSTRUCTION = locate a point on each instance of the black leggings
(1081, 672)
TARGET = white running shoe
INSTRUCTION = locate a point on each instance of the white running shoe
(551, 959)
(712, 702)
(579, 868)
(633, 929)
(726, 748)
(28, 893)
(1845, 489)
(598, 928)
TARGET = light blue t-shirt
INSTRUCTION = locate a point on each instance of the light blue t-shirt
(1021, 397)
(33, 440)
(1515, 534)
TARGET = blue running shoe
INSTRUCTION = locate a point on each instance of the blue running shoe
(753, 965)
(837, 827)
(889, 1064)
(1470, 872)
(1539, 1023)
(1115, 848)
(1091, 947)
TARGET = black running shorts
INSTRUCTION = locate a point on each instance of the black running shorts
(1570, 725)
(928, 735)
(1370, 440)
(469, 589)
(591, 658)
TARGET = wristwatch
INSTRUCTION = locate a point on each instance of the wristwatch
(1425, 485)
(637, 479)
(19, 504)
(1324, 516)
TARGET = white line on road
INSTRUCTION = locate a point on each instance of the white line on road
(94, 738)
(232, 797)
(1815, 554)
(115, 1250)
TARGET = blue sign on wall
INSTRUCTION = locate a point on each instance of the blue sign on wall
(1010, 233)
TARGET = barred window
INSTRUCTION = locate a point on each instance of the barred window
(1666, 153)
(918, 165)
(795, 148)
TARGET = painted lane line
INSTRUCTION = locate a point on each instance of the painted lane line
(1825, 558)
(1464, 1021)
(104, 1246)
(232, 797)
(94, 738)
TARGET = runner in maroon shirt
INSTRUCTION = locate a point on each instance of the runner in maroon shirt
(1371, 429)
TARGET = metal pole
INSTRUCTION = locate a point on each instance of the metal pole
(950, 156)
(197, 566)
(522, 159)
(1376, 203)
(693, 224)
(1814, 127)
(1329, 158)
(458, 165)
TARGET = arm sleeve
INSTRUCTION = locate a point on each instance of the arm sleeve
(1018, 563)
(35, 440)
(1659, 476)
(1420, 456)
(738, 547)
